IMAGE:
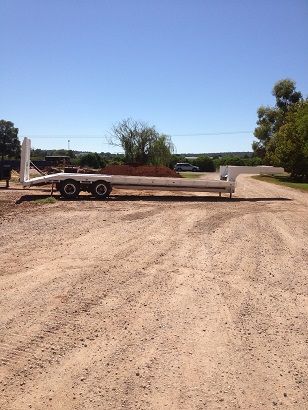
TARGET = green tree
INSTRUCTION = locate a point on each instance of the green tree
(38, 154)
(285, 93)
(9, 142)
(141, 143)
(92, 160)
(268, 122)
(253, 161)
(231, 160)
(270, 119)
(205, 163)
(289, 145)
(71, 153)
(161, 150)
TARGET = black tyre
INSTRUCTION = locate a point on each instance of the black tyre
(101, 189)
(69, 188)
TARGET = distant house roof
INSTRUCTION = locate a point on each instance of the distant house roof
(51, 157)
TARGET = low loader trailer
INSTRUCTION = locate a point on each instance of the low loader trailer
(100, 185)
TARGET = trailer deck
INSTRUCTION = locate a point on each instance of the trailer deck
(100, 185)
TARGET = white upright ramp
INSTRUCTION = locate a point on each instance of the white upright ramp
(25, 160)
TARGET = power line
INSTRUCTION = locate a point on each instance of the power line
(70, 136)
(96, 136)
(211, 133)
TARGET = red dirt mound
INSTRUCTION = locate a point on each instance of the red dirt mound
(140, 170)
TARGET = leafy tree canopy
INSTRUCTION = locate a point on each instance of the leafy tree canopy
(285, 93)
(92, 160)
(9, 142)
(161, 149)
(141, 143)
(289, 145)
(270, 119)
(282, 130)
(205, 163)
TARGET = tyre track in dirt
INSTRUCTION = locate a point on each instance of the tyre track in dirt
(157, 304)
(66, 314)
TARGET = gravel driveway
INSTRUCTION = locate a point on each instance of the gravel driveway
(155, 300)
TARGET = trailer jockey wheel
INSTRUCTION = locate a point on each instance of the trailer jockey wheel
(101, 189)
(69, 188)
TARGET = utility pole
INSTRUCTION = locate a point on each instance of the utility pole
(68, 144)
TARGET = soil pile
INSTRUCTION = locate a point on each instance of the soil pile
(131, 170)
(140, 170)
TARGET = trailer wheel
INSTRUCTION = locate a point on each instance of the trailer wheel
(69, 188)
(101, 189)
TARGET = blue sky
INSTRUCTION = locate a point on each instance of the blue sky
(72, 68)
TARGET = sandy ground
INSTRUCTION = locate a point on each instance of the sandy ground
(155, 300)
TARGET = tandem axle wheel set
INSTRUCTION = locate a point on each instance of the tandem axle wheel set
(70, 188)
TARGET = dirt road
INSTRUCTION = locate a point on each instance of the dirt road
(153, 302)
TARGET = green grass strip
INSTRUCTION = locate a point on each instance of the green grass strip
(48, 200)
(283, 180)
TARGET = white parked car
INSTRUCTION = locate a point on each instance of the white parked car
(185, 166)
